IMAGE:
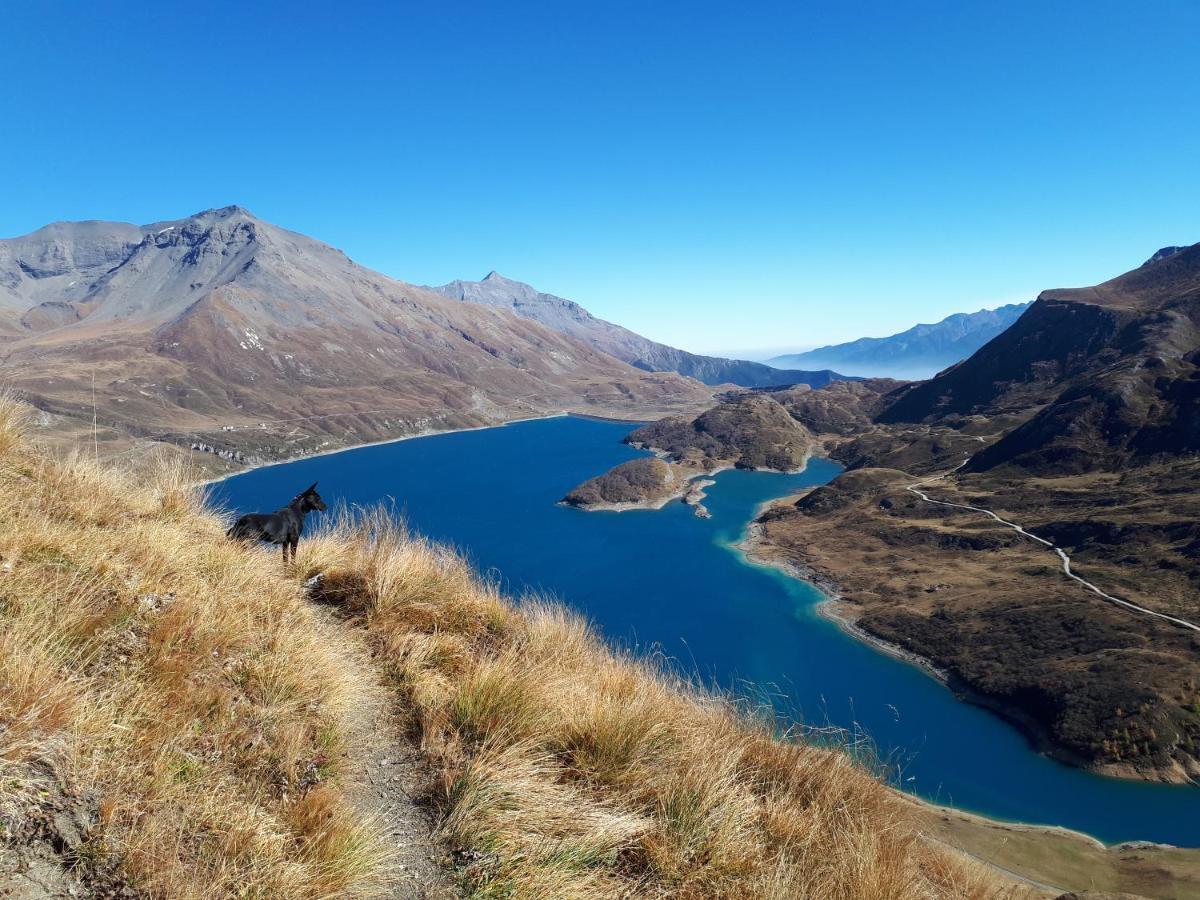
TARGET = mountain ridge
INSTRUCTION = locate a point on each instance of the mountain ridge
(571, 318)
(1113, 368)
(918, 352)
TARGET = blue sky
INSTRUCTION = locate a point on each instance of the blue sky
(717, 176)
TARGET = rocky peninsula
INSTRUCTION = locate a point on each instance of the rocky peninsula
(748, 431)
(646, 483)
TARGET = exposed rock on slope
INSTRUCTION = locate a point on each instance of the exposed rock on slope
(226, 330)
(1163, 254)
(841, 407)
(570, 318)
(919, 352)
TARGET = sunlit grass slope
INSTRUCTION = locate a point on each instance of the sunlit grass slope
(168, 684)
(572, 771)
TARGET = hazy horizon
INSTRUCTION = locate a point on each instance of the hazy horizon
(711, 178)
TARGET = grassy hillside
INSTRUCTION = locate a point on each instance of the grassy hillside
(170, 710)
(174, 712)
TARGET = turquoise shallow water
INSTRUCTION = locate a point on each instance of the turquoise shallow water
(665, 578)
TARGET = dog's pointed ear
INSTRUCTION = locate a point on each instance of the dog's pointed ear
(311, 489)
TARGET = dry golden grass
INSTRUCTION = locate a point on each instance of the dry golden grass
(571, 771)
(170, 680)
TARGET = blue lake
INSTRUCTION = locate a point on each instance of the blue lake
(666, 579)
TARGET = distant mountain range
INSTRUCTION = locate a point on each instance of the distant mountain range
(920, 352)
(229, 333)
(570, 318)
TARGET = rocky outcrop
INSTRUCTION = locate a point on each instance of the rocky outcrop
(695, 497)
(647, 482)
(747, 431)
(840, 408)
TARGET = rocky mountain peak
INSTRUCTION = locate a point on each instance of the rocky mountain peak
(222, 225)
(226, 212)
(1164, 253)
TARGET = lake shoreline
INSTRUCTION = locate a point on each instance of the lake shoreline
(445, 501)
(829, 608)
(942, 809)
(692, 488)
(436, 432)
(834, 608)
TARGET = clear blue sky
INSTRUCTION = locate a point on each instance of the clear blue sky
(715, 175)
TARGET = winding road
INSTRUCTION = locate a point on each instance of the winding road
(1066, 560)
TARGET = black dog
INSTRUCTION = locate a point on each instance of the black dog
(283, 526)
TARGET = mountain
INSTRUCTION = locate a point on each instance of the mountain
(919, 352)
(1114, 371)
(1163, 254)
(228, 333)
(1081, 424)
(569, 317)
